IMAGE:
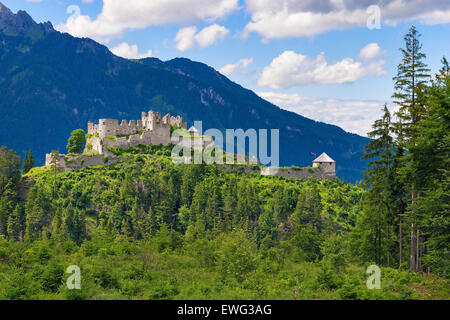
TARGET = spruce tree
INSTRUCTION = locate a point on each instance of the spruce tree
(379, 175)
(229, 204)
(14, 226)
(28, 162)
(431, 155)
(410, 85)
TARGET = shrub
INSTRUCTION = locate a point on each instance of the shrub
(18, 286)
(164, 290)
(89, 249)
(236, 256)
(52, 278)
(68, 160)
(327, 279)
(131, 288)
(104, 277)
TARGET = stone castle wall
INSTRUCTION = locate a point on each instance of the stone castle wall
(285, 172)
(299, 173)
(151, 121)
(151, 129)
(111, 127)
(329, 167)
(193, 142)
(69, 163)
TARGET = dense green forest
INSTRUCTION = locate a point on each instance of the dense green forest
(150, 229)
(147, 228)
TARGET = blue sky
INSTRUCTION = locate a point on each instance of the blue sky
(318, 58)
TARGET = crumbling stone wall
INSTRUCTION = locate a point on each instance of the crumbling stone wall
(151, 129)
(69, 163)
(285, 172)
(200, 143)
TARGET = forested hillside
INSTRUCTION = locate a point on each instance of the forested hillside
(149, 229)
(146, 228)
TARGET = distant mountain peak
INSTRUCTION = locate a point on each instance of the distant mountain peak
(4, 11)
(21, 22)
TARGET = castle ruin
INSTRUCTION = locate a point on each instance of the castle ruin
(152, 128)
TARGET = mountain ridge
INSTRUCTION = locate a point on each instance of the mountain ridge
(52, 83)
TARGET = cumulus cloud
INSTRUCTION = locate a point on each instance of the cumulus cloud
(292, 18)
(187, 37)
(118, 16)
(371, 51)
(292, 69)
(238, 67)
(351, 115)
(210, 35)
(130, 51)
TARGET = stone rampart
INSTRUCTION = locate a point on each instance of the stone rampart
(69, 162)
(285, 172)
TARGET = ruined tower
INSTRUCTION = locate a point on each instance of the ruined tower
(326, 164)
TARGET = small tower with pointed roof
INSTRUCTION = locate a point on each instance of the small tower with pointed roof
(193, 130)
(325, 163)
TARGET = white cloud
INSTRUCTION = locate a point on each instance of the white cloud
(210, 35)
(238, 67)
(130, 51)
(118, 16)
(292, 69)
(371, 51)
(187, 37)
(351, 115)
(292, 18)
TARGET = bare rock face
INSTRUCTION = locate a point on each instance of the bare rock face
(48, 27)
(20, 23)
(16, 23)
(5, 15)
